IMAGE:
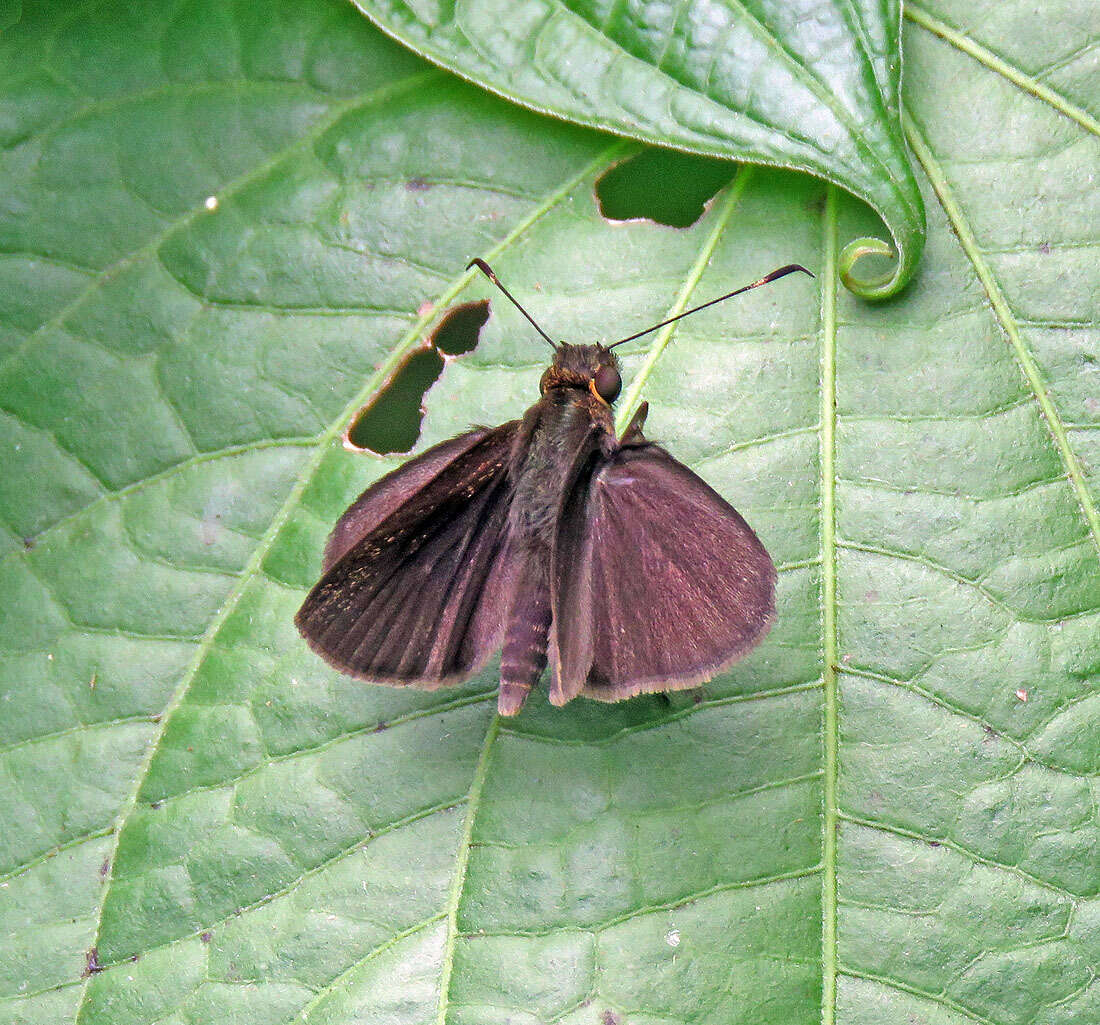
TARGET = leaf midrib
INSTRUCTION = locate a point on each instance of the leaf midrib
(830, 729)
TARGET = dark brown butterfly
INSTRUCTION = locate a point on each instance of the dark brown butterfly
(550, 536)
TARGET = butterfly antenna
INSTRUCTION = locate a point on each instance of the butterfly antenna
(782, 272)
(485, 269)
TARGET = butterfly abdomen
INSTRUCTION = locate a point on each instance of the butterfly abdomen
(524, 656)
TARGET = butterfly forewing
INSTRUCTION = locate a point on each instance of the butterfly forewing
(383, 498)
(657, 581)
(418, 569)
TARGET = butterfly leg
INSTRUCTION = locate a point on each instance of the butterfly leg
(524, 656)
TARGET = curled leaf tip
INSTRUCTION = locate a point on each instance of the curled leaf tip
(880, 286)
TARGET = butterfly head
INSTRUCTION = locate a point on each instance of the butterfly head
(591, 367)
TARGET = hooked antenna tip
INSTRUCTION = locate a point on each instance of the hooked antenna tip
(782, 272)
(485, 269)
(482, 266)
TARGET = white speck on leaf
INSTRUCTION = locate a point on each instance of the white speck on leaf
(211, 203)
(672, 937)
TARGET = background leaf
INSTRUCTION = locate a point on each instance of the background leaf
(809, 84)
(221, 227)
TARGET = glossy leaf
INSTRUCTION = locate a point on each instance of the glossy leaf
(221, 230)
(810, 84)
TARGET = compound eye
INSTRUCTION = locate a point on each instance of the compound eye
(607, 384)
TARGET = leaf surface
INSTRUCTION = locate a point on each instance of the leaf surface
(809, 84)
(886, 814)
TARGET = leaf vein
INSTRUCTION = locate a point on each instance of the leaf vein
(338, 111)
(290, 887)
(1008, 324)
(966, 852)
(830, 726)
(993, 62)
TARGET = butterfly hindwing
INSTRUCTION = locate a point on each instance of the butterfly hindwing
(418, 569)
(657, 581)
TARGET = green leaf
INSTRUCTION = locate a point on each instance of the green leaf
(807, 84)
(887, 814)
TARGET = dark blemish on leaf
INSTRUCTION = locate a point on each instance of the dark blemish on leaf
(817, 204)
(1044, 248)
(91, 963)
(222, 500)
(155, 718)
(610, 1018)
(662, 186)
(155, 805)
(133, 957)
(417, 185)
(206, 937)
(29, 543)
(934, 843)
(380, 727)
(105, 868)
(459, 330)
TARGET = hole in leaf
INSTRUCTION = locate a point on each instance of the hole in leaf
(391, 423)
(458, 331)
(663, 186)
